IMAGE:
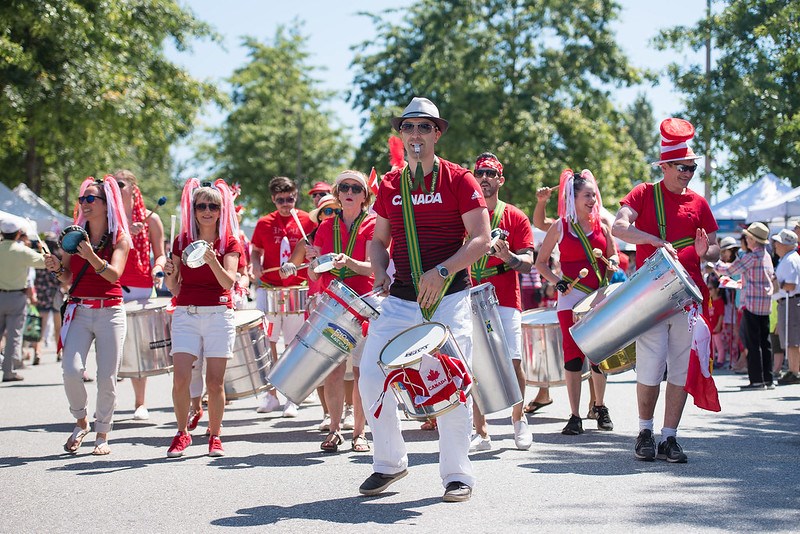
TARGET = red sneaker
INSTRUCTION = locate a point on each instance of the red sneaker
(179, 444)
(215, 446)
(194, 418)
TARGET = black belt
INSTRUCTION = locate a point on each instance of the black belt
(11, 290)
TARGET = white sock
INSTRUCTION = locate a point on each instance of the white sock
(668, 432)
(645, 424)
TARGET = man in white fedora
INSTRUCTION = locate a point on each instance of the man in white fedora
(423, 210)
(670, 215)
(757, 273)
(787, 275)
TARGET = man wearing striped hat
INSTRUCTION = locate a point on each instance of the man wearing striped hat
(670, 215)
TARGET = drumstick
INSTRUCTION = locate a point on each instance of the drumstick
(297, 220)
(599, 255)
(161, 202)
(171, 233)
(581, 274)
(273, 269)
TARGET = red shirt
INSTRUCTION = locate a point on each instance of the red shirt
(519, 235)
(199, 286)
(573, 256)
(685, 213)
(268, 235)
(440, 229)
(92, 285)
(136, 274)
(324, 240)
(716, 311)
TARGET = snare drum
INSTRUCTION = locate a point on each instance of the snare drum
(246, 374)
(148, 340)
(543, 349)
(622, 360)
(193, 254)
(323, 263)
(286, 300)
(422, 386)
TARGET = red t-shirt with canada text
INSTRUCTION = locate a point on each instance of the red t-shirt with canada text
(277, 236)
(324, 240)
(199, 286)
(440, 229)
(519, 235)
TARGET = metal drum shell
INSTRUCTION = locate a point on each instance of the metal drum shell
(192, 256)
(246, 373)
(394, 356)
(659, 289)
(543, 349)
(148, 341)
(329, 334)
(286, 300)
(622, 360)
(496, 386)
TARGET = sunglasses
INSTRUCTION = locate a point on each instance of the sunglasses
(489, 173)
(202, 206)
(423, 128)
(355, 188)
(89, 199)
(121, 185)
(319, 194)
(684, 168)
(328, 211)
(284, 200)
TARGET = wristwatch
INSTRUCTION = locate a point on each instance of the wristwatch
(442, 270)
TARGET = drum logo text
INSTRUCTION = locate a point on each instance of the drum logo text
(160, 344)
(341, 339)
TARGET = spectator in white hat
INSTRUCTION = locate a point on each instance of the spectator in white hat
(787, 275)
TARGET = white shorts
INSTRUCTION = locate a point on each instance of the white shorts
(511, 318)
(203, 331)
(665, 347)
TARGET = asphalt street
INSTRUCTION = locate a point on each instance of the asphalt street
(742, 473)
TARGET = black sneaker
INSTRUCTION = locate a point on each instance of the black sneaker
(645, 446)
(788, 379)
(457, 492)
(574, 426)
(753, 385)
(603, 419)
(671, 451)
(377, 482)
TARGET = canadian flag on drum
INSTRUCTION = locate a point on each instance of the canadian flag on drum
(699, 382)
(433, 376)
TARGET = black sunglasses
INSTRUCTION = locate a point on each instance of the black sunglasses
(202, 206)
(489, 173)
(355, 188)
(319, 194)
(89, 199)
(284, 200)
(684, 168)
(121, 185)
(423, 128)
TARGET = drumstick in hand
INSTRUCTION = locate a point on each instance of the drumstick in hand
(300, 226)
(582, 274)
(599, 255)
(171, 233)
(273, 269)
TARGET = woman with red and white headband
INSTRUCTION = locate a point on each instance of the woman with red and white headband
(203, 321)
(94, 311)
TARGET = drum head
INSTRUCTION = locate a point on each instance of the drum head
(595, 298)
(193, 254)
(71, 237)
(408, 346)
(244, 317)
(323, 263)
(542, 316)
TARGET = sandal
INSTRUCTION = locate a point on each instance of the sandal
(75, 439)
(534, 406)
(101, 447)
(430, 424)
(332, 442)
(360, 444)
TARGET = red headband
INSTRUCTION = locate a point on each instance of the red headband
(488, 163)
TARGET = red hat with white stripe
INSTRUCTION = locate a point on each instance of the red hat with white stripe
(675, 134)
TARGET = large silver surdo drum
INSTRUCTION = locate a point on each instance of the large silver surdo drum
(148, 340)
(622, 360)
(246, 373)
(543, 349)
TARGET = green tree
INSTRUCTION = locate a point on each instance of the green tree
(85, 88)
(277, 125)
(750, 104)
(643, 129)
(528, 80)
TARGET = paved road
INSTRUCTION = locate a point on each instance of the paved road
(742, 473)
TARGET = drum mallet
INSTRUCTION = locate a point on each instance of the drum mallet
(582, 274)
(300, 226)
(273, 269)
(599, 255)
(161, 202)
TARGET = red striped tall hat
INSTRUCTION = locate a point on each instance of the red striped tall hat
(675, 134)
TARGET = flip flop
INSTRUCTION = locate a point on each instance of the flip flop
(75, 439)
(534, 406)
(101, 448)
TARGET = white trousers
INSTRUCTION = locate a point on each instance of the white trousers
(389, 448)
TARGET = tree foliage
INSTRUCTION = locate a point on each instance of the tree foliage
(277, 119)
(528, 80)
(85, 88)
(750, 104)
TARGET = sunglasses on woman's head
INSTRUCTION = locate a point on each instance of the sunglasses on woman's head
(89, 199)
(202, 206)
(355, 188)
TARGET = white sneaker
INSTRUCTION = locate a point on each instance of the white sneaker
(289, 409)
(479, 443)
(141, 414)
(269, 403)
(522, 436)
(349, 422)
(325, 425)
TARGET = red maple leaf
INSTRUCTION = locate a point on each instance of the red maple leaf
(433, 375)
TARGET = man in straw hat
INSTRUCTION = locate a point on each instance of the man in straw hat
(424, 210)
(787, 275)
(670, 215)
(757, 273)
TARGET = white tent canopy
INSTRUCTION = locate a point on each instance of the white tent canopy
(768, 188)
(28, 225)
(24, 203)
(784, 207)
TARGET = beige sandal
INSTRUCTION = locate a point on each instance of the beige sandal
(75, 439)
(360, 444)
